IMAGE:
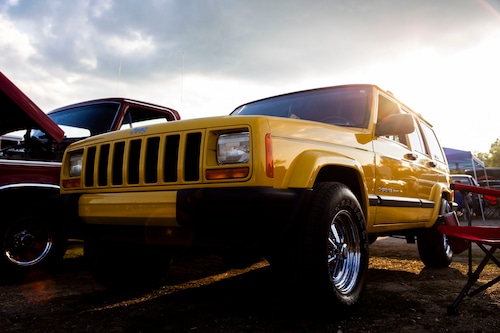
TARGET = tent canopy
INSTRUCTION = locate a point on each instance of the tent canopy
(461, 160)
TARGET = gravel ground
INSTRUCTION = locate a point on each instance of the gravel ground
(201, 295)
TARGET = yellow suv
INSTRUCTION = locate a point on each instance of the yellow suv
(306, 180)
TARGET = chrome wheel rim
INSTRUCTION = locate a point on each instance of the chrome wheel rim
(344, 252)
(27, 243)
(447, 248)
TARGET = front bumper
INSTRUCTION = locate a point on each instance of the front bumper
(211, 217)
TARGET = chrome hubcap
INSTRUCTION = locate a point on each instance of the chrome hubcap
(27, 244)
(344, 252)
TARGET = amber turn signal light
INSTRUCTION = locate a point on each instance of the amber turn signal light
(227, 173)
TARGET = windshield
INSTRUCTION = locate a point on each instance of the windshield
(343, 106)
(77, 123)
(86, 120)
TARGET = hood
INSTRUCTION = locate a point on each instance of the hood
(18, 112)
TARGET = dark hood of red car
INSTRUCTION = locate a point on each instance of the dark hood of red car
(18, 112)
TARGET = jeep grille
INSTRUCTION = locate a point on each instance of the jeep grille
(143, 161)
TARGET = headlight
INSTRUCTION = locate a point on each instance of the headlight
(75, 164)
(233, 148)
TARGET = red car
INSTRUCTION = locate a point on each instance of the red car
(34, 229)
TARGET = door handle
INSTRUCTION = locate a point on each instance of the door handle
(432, 164)
(411, 156)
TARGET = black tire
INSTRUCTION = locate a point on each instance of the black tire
(433, 247)
(31, 241)
(336, 246)
(122, 266)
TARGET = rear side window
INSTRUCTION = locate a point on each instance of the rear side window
(416, 141)
(435, 148)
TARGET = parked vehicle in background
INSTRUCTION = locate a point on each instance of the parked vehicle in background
(487, 177)
(33, 230)
(472, 199)
(303, 179)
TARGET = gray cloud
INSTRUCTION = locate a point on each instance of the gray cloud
(257, 39)
(66, 51)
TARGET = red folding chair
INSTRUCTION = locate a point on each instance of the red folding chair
(487, 238)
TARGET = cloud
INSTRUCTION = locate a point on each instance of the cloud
(258, 39)
(214, 55)
(15, 44)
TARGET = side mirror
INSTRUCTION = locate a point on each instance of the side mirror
(395, 124)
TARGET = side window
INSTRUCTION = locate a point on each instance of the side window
(416, 140)
(386, 107)
(435, 148)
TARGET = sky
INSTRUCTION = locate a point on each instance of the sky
(206, 57)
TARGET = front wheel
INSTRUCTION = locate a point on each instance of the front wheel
(433, 247)
(336, 246)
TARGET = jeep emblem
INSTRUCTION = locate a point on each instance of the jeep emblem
(138, 130)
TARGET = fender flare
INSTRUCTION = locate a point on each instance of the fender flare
(30, 191)
(437, 193)
(306, 167)
(29, 185)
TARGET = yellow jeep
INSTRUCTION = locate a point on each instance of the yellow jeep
(306, 180)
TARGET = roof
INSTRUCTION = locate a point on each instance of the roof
(174, 114)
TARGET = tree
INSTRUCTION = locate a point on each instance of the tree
(483, 157)
(492, 158)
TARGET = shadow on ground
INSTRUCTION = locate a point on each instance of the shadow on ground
(203, 296)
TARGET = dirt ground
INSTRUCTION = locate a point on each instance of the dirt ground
(203, 296)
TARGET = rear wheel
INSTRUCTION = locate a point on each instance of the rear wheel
(433, 247)
(336, 246)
